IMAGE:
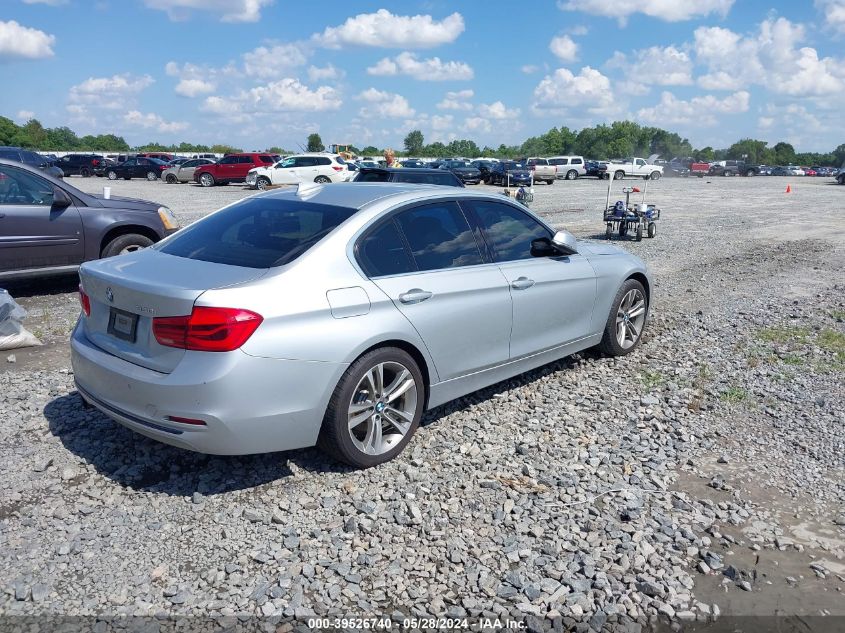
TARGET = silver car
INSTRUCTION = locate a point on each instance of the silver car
(335, 315)
(184, 172)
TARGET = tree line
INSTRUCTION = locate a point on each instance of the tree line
(618, 139)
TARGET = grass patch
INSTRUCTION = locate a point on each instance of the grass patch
(734, 395)
(837, 315)
(652, 379)
(831, 341)
(784, 335)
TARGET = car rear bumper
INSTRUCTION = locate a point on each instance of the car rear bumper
(249, 404)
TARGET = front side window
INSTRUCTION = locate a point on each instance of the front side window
(439, 236)
(193, 163)
(508, 230)
(382, 252)
(22, 188)
(306, 161)
(257, 232)
(131, 162)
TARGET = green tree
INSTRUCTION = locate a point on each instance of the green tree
(750, 150)
(315, 143)
(435, 150)
(225, 149)
(705, 154)
(370, 150)
(414, 142)
(839, 155)
(784, 154)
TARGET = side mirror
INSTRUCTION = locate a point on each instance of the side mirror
(60, 199)
(542, 247)
(565, 243)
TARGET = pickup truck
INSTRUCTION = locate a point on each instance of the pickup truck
(633, 168)
(699, 169)
(734, 168)
(542, 170)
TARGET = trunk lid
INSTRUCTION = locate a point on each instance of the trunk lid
(128, 291)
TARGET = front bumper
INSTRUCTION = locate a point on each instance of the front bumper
(249, 404)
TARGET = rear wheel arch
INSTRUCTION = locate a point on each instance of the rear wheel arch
(126, 229)
(414, 353)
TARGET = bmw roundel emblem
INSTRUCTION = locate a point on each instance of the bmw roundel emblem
(109, 295)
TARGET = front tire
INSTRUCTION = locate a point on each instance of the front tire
(171, 179)
(207, 180)
(128, 243)
(375, 408)
(151, 175)
(626, 321)
(652, 229)
(322, 180)
(85, 172)
(262, 183)
(655, 175)
(112, 175)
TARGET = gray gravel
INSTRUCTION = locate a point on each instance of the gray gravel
(594, 491)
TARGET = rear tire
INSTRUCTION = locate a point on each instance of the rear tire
(128, 243)
(652, 229)
(171, 179)
(111, 175)
(571, 174)
(619, 175)
(322, 180)
(207, 180)
(342, 438)
(608, 232)
(550, 182)
(640, 232)
(610, 342)
(85, 172)
(151, 175)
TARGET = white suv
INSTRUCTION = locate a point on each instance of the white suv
(569, 167)
(320, 168)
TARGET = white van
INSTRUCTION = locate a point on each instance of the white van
(569, 167)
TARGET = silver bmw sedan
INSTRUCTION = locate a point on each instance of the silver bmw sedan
(335, 315)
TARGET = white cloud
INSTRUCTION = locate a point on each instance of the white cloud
(18, 41)
(386, 104)
(497, 111)
(632, 87)
(274, 61)
(530, 69)
(228, 10)
(772, 58)
(667, 66)
(52, 3)
(114, 93)
(194, 87)
(698, 111)
(563, 90)
(765, 122)
(385, 30)
(432, 69)
(153, 121)
(25, 115)
(834, 14)
(290, 95)
(666, 10)
(327, 73)
(457, 100)
(477, 124)
(564, 48)
(440, 123)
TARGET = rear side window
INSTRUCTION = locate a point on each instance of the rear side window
(324, 161)
(439, 236)
(372, 176)
(577, 161)
(267, 160)
(257, 232)
(382, 252)
(418, 178)
(10, 155)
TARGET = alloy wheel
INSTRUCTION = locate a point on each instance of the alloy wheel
(630, 317)
(382, 408)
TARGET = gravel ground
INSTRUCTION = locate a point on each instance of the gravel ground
(702, 475)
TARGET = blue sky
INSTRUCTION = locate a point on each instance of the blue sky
(257, 73)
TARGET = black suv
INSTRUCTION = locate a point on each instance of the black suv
(734, 168)
(80, 164)
(404, 174)
(32, 159)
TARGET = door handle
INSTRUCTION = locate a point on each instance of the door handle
(522, 283)
(415, 295)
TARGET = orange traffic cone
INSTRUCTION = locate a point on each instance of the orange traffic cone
(788, 188)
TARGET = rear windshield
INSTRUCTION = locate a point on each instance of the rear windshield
(415, 177)
(257, 232)
(373, 176)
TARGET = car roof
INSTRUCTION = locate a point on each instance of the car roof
(357, 195)
(393, 170)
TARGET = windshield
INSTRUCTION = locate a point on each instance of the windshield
(257, 232)
(512, 165)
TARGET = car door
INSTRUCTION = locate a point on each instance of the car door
(185, 171)
(552, 297)
(34, 233)
(457, 301)
(639, 167)
(306, 167)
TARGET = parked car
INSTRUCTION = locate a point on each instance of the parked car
(413, 163)
(183, 172)
(468, 174)
(840, 175)
(543, 171)
(411, 176)
(734, 168)
(484, 166)
(232, 168)
(50, 227)
(162, 156)
(138, 167)
(407, 297)
(595, 169)
(313, 167)
(33, 159)
(83, 165)
(677, 168)
(510, 173)
(104, 166)
(781, 171)
(569, 167)
(178, 161)
(634, 168)
(206, 155)
(364, 164)
(764, 170)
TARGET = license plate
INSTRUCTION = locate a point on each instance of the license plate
(123, 325)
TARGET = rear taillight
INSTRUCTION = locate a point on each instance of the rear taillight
(84, 301)
(181, 420)
(337, 167)
(95, 162)
(207, 329)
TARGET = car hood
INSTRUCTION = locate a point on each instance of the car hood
(119, 202)
(595, 249)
